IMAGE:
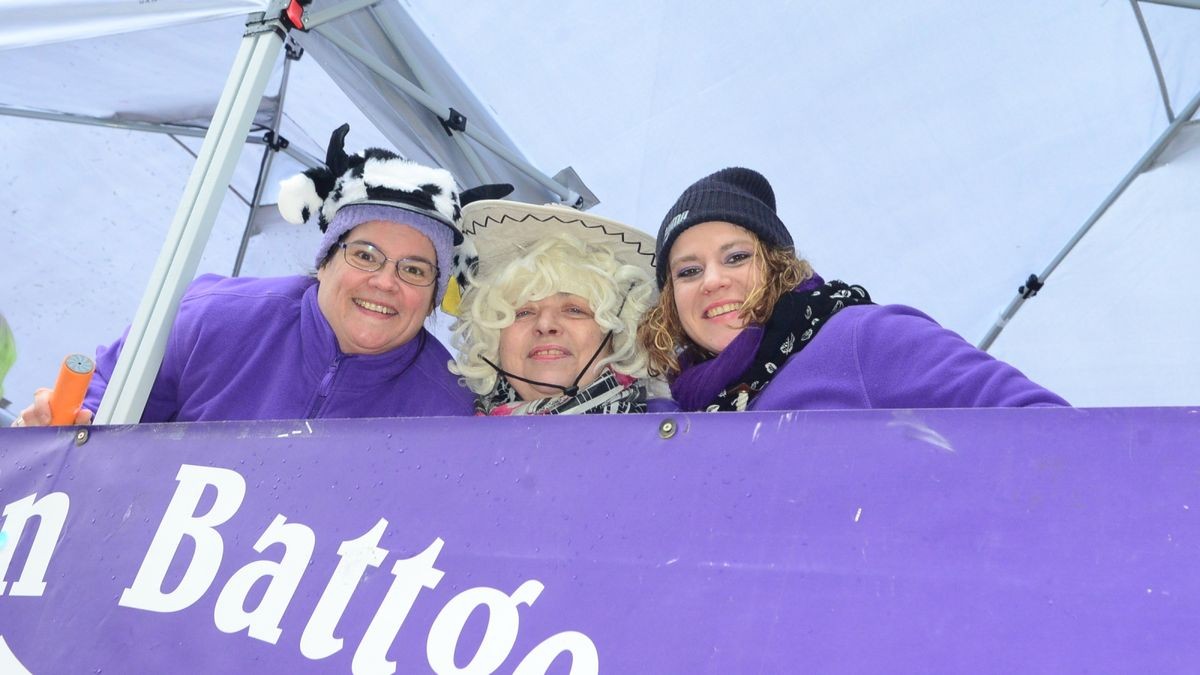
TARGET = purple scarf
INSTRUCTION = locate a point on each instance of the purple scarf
(700, 381)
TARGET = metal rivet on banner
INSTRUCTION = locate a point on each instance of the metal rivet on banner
(667, 428)
(81, 437)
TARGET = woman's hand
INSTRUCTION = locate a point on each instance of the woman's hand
(38, 414)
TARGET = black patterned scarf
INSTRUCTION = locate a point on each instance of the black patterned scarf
(732, 379)
(612, 392)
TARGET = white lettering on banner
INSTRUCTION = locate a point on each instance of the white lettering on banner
(51, 511)
(318, 641)
(410, 576)
(177, 523)
(498, 639)
(263, 622)
(356, 555)
(584, 659)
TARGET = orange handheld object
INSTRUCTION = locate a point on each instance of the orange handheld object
(73, 380)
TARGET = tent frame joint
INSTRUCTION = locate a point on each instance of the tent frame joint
(455, 121)
(1032, 285)
(275, 141)
(293, 51)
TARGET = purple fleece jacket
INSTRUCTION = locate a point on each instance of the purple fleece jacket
(892, 356)
(255, 349)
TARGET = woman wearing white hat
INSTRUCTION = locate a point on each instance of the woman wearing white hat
(548, 323)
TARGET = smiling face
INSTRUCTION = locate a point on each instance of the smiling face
(375, 312)
(551, 340)
(712, 272)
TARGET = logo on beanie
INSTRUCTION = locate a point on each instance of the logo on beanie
(676, 221)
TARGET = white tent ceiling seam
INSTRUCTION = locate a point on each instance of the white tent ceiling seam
(1036, 282)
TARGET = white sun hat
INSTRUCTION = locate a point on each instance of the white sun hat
(497, 231)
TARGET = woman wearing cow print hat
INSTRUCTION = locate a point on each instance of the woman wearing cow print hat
(349, 342)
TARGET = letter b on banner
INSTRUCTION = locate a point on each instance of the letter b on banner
(178, 522)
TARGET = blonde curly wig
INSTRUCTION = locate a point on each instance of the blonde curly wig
(561, 263)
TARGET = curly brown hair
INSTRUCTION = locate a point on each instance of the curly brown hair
(661, 332)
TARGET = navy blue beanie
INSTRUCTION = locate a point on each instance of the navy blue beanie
(734, 195)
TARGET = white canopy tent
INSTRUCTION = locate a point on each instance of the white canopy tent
(393, 68)
(938, 154)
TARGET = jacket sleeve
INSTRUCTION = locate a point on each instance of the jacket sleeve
(907, 360)
(106, 359)
(161, 406)
(164, 402)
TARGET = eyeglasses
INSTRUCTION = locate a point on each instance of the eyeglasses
(367, 258)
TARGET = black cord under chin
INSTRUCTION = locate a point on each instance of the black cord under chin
(567, 391)
(574, 388)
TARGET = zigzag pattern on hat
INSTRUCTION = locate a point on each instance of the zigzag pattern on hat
(600, 227)
(467, 257)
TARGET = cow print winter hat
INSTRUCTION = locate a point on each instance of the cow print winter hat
(378, 185)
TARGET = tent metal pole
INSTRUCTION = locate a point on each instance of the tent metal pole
(482, 175)
(173, 129)
(264, 168)
(1142, 165)
(564, 193)
(1186, 4)
(129, 386)
(299, 155)
(1158, 73)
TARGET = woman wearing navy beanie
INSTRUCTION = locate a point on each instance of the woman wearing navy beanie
(743, 323)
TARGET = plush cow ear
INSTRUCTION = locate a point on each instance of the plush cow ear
(299, 198)
(490, 191)
(335, 155)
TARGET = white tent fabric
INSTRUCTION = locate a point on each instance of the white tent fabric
(36, 22)
(1120, 314)
(937, 153)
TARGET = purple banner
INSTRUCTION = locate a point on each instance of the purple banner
(878, 541)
